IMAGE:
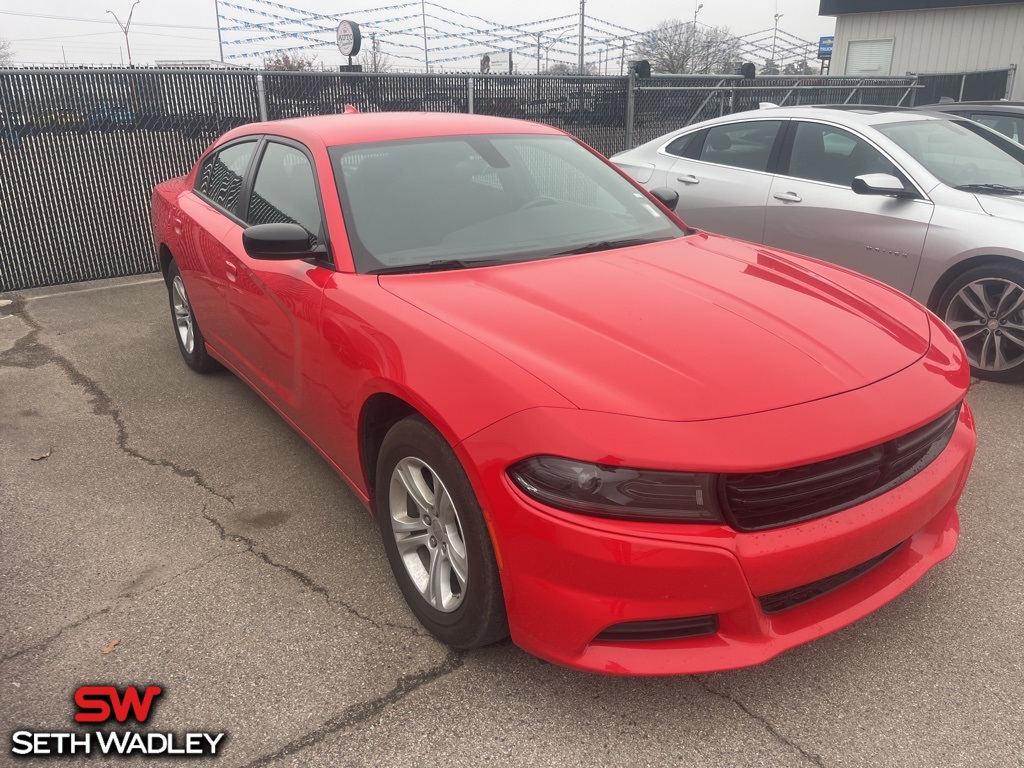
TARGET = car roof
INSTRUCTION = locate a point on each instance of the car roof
(850, 114)
(367, 127)
(981, 106)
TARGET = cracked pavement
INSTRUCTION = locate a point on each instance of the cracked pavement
(179, 515)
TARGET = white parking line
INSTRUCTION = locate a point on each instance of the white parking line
(96, 288)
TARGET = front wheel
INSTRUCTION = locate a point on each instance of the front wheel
(985, 308)
(436, 538)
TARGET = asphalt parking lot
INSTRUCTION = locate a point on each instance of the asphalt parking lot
(178, 515)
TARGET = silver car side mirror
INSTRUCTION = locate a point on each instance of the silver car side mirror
(879, 184)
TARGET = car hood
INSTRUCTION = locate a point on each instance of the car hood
(1003, 207)
(698, 328)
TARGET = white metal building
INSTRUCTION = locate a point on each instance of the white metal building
(876, 38)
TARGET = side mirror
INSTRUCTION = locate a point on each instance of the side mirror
(276, 241)
(880, 184)
(666, 196)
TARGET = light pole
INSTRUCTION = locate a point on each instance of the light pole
(125, 27)
(426, 56)
(549, 46)
(693, 36)
(583, 16)
(775, 37)
(220, 41)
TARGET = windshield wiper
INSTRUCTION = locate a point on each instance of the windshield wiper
(990, 189)
(609, 245)
(438, 265)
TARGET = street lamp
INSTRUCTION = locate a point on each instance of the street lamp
(693, 36)
(583, 16)
(775, 37)
(125, 27)
(549, 46)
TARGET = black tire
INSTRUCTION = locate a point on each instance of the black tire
(476, 616)
(985, 308)
(196, 357)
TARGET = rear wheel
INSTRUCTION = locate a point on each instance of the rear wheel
(190, 339)
(985, 308)
(436, 538)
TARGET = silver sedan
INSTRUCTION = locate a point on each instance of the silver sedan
(931, 204)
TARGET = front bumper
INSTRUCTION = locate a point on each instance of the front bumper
(567, 577)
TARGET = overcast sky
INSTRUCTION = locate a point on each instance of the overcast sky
(95, 38)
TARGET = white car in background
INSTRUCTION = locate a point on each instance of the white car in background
(931, 204)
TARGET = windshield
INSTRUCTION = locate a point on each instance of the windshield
(462, 201)
(961, 153)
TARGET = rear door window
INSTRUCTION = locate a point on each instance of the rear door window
(221, 175)
(741, 145)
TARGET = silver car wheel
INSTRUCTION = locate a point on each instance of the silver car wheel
(988, 316)
(428, 534)
(183, 316)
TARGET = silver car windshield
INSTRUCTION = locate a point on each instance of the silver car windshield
(462, 201)
(962, 154)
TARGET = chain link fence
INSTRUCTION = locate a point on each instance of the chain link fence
(81, 150)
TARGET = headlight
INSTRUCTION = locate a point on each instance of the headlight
(637, 494)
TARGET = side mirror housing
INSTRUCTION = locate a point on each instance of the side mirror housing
(666, 196)
(276, 242)
(880, 184)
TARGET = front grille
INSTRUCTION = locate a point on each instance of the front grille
(660, 629)
(755, 502)
(780, 601)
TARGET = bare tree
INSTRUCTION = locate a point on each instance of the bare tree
(6, 53)
(678, 47)
(561, 68)
(289, 62)
(798, 68)
(372, 58)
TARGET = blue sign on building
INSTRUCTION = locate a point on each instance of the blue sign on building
(825, 47)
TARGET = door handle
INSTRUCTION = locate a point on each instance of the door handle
(232, 270)
(688, 179)
(788, 197)
(177, 225)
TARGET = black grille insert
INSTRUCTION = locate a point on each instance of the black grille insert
(780, 601)
(755, 502)
(660, 629)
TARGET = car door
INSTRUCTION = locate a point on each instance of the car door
(814, 211)
(206, 215)
(722, 176)
(275, 304)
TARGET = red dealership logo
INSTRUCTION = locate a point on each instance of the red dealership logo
(97, 703)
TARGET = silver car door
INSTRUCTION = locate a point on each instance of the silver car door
(813, 210)
(723, 182)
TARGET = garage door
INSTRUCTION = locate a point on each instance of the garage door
(869, 58)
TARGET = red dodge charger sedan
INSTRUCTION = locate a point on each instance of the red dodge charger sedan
(636, 448)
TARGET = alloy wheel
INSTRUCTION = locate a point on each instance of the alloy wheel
(988, 316)
(183, 316)
(428, 534)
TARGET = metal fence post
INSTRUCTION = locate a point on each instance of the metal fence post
(630, 108)
(963, 82)
(261, 95)
(469, 95)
